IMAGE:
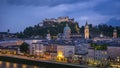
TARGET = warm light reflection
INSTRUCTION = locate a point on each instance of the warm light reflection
(118, 59)
(60, 54)
(38, 51)
(7, 64)
(35, 67)
(0, 62)
(14, 65)
(23, 66)
(34, 41)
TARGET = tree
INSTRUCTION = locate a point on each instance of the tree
(99, 46)
(29, 31)
(24, 47)
(56, 28)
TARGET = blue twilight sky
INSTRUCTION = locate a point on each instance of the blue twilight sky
(18, 14)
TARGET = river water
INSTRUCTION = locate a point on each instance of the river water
(16, 65)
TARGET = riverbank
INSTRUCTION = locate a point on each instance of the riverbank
(46, 64)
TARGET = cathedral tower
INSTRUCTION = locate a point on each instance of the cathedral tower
(86, 31)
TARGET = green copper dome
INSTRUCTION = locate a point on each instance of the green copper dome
(67, 28)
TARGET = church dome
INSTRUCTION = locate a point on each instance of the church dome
(67, 32)
(67, 28)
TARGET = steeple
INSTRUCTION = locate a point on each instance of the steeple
(86, 31)
(86, 23)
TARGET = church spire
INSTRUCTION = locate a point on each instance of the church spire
(86, 31)
(86, 23)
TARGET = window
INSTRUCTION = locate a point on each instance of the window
(105, 52)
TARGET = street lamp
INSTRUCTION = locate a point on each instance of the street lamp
(60, 55)
(118, 59)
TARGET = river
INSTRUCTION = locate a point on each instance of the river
(16, 65)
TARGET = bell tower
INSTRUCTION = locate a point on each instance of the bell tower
(86, 31)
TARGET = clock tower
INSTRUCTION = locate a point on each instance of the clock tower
(86, 31)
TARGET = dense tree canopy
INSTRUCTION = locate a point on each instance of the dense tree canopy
(99, 46)
(56, 28)
(24, 47)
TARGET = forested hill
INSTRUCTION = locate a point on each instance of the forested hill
(56, 28)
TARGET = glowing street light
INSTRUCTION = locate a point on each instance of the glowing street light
(118, 59)
(60, 55)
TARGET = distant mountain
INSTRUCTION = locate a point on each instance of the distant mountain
(114, 22)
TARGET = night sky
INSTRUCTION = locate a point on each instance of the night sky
(16, 15)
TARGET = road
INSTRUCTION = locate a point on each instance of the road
(44, 60)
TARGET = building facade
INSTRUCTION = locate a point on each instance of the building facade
(67, 32)
(66, 50)
(97, 57)
(114, 53)
(37, 49)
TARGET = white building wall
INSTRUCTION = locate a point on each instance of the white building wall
(90, 55)
(69, 48)
(37, 49)
(113, 51)
(66, 49)
(97, 56)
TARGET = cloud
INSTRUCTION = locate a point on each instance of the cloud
(18, 14)
(113, 22)
(109, 7)
(41, 2)
(20, 17)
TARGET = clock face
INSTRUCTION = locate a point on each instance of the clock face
(86, 31)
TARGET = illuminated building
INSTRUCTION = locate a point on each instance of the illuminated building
(11, 43)
(37, 48)
(66, 50)
(86, 31)
(97, 57)
(114, 52)
(60, 56)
